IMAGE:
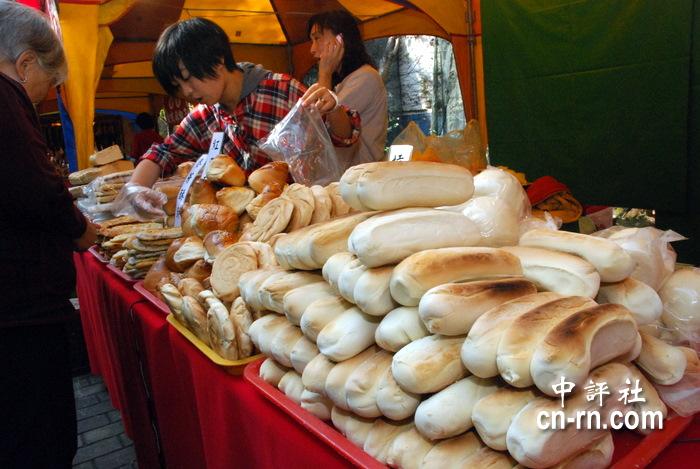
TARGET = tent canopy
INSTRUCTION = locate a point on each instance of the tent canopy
(269, 32)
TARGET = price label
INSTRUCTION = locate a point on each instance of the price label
(200, 166)
(400, 152)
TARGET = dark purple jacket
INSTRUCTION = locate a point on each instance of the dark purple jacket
(38, 220)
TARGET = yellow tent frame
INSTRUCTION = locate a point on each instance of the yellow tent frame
(109, 43)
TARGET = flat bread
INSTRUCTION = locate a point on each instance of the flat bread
(124, 220)
(153, 235)
(303, 199)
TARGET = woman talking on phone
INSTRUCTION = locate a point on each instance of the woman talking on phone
(345, 66)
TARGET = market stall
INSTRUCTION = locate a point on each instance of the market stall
(377, 309)
(241, 424)
(419, 312)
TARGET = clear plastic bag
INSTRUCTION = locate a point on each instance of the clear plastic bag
(550, 222)
(496, 182)
(461, 147)
(302, 141)
(411, 135)
(497, 221)
(141, 202)
(680, 295)
(650, 247)
(684, 396)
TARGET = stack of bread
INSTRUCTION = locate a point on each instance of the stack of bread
(144, 248)
(430, 341)
(204, 298)
(103, 163)
(112, 233)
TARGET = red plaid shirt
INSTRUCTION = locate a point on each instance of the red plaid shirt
(254, 117)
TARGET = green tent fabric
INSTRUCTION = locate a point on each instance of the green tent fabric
(688, 222)
(595, 93)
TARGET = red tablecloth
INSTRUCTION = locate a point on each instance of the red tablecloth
(176, 416)
(105, 307)
(204, 416)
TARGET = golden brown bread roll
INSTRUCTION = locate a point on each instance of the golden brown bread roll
(195, 318)
(202, 192)
(271, 220)
(155, 275)
(170, 188)
(303, 200)
(275, 172)
(339, 207)
(224, 170)
(236, 198)
(190, 287)
(216, 241)
(183, 169)
(268, 194)
(170, 254)
(190, 251)
(245, 221)
(200, 219)
(200, 270)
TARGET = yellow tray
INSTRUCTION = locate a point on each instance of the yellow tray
(234, 367)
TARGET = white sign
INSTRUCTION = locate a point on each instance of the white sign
(400, 152)
(200, 166)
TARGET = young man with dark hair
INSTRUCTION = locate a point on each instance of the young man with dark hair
(193, 60)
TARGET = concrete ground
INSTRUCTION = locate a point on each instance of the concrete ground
(102, 443)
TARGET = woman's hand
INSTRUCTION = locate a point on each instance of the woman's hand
(88, 237)
(321, 98)
(330, 58)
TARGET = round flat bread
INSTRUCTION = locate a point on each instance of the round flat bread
(272, 219)
(229, 265)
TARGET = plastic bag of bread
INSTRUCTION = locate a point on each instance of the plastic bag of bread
(680, 296)
(650, 247)
(302, 141)
(496, 182)
(684, 396)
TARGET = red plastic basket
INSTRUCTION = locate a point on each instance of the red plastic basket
(632, 451)
(121, 274)
(318, 427)
(93, 250)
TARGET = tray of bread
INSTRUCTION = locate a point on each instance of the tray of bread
(234, 367)
(151, 297)
(98, 255)
(121, 274)
(347, 433)
(292, 406)
(432, 332)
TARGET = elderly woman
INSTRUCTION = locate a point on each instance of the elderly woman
(39, 229)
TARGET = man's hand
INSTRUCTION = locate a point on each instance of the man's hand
(143, 202)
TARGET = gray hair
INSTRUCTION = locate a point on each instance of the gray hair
(22, 28)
